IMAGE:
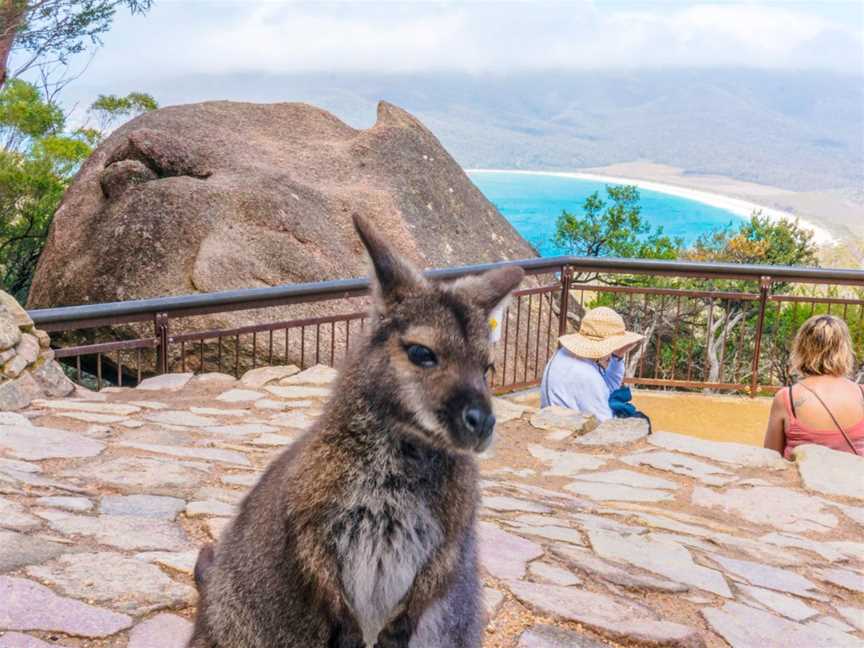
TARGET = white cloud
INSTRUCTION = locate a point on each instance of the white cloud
(206, 37)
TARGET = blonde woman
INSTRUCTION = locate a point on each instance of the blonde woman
(824, 406)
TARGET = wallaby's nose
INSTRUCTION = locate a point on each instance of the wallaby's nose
(480, 422)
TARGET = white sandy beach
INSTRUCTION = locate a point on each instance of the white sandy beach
(737, 206)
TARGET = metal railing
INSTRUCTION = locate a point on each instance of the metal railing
(707, 326)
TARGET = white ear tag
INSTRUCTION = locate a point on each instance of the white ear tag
(496, 323)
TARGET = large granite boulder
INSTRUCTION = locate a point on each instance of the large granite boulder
(223, 195)
(27, 367)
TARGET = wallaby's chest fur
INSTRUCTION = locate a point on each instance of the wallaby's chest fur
(385, 532)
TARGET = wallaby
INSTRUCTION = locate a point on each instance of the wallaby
(361, 534)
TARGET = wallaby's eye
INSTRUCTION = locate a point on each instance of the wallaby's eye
(421, 356)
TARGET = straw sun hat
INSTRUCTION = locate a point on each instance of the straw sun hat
(602, 331)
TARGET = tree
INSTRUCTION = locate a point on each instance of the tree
(763, 241)
(613, 228)
(109, 109)
(37, 163)
(48, 32)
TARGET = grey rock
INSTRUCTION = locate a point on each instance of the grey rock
(125, 584)
(788, 606)
(298, 391)
(316, 375)
(13, 418)
(616, 618)
(565, 464)
(12, 309)
(14, 367)
(242, 479)
(10, 334)
(681, 465)
(18, 394)
(492, 600)
(854, 615)
(617, 492)
(503, 554)
(589, 521)
(15, 516)
(781, 580)
(18, 550)
(37, 443)
(782, 508)
(506, 410)
(562, 418)
(209, 508)
(163, 630)
(207, 454)
(25, 605)
(849, 580)
(141, 474)
(52, 381)
(256, 378)
(28, 348)
(125, 532)
(668, 559)
(119, 409)
(830, 472)
(181, 561)
(615, 432)
(75, 504)
(546, 636)
(295, 419)
(165, 382)
(241, 429)
(736, 454)
(18, 640)
(824, 549)
(628, 478)
(548, 573)
(181, 418)
(745, 627)
(551, 532)
(502, 503)
(240, 396)
(150, 506)
(586, 562)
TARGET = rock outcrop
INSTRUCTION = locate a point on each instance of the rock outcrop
(222, 195)
(27, 367)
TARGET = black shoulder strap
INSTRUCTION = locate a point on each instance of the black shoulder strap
(792, 402)
(831, 414)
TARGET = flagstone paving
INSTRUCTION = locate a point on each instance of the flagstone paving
(589, 535)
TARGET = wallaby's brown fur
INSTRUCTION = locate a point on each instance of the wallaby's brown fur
(361, 535)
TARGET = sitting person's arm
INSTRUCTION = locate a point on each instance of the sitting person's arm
(614, 374)
(775, 437)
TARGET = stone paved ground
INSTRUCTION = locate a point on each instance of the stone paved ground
(589, 537)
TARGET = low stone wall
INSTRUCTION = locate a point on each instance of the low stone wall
(27, 367)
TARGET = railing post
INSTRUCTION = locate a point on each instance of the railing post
(161, 333)
(765, 284)
(566, 281)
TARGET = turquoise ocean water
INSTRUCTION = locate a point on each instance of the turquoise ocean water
(532, 204)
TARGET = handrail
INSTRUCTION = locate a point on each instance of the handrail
(199, 304)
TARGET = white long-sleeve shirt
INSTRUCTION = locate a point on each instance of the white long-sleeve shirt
(581, 384)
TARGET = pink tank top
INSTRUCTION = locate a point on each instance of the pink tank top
(798, 434)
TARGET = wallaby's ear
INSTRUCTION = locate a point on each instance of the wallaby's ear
(490, 289)
(394, 276)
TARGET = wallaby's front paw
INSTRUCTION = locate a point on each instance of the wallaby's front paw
(397, 634)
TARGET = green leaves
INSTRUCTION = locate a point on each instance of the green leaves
(614, 227)
(24, 114)
(109, 109)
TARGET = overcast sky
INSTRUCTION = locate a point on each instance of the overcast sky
(182, 37)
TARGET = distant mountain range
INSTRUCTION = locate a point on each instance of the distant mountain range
(802, 131)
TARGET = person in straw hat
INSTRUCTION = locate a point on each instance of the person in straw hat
(589, 365)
